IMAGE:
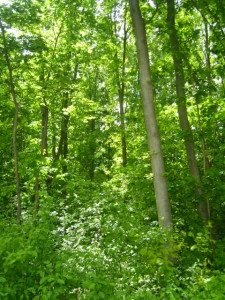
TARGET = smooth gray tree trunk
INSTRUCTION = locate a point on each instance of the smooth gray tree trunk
(160, 183)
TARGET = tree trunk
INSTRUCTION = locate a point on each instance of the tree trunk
(182, 109)
(65, 127)
(63, 143)
(161, 191)
(14, 124)
(44, 132)
(121, 88)
(92, 140)
(44, 149)
(122, 126)
(44, 144)
(92, 148)
(121, 84)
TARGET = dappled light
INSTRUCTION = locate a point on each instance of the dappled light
(112, 142)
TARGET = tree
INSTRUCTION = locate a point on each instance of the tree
(15, 120)
(121, 90)
(161, 191)
(182, 109)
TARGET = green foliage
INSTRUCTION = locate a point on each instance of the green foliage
(32, 265)
(95, 233)
(99, 248)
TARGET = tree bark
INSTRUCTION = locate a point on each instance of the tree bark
(44, 144)
(182, 109)
(44, 131)
(63, 143)
(14, 124)
(92, 141)
(44, 148)
(160, 183)
(92, 148)
(121, 89)
(122, 126)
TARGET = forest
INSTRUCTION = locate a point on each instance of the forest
(112, 149)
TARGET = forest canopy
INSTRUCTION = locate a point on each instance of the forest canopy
(112, 149)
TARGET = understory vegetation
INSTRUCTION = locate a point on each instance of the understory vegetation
(103, 245)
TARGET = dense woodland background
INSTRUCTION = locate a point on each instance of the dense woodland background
(78, 209)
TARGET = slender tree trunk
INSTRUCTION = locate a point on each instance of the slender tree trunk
(196, 82)
(93, 93)
(63, 142)
(92, 146)
(161, 191)
(44, 143)
(207, 50)
(121, 89)
(64, 125)
(122, 126)
(121, 85)
(44, 149)
(44, 132)
(206, 163)
(54, 139)
(182, 109)
(14, 124)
